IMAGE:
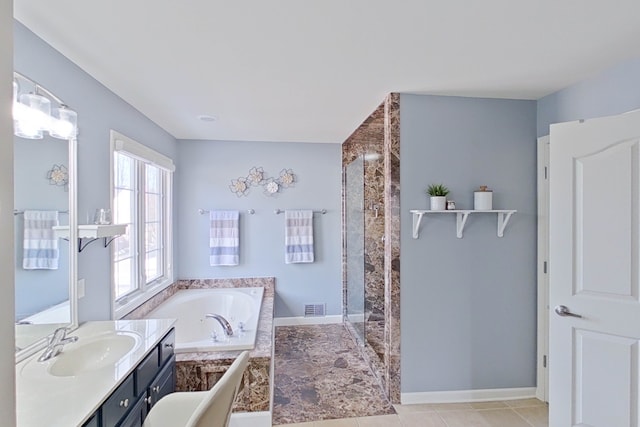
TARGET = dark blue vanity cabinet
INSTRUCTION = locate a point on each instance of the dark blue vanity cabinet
(154, 377)
(94, 421)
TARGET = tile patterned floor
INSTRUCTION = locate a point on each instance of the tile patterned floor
(321, 381)
(319, 375)
(513, 413)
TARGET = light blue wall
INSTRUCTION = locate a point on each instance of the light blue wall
(468, 305)
(99, 110)
(38, 289)
(614, 91)
(205, 170)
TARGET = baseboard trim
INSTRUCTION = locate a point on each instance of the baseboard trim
(296, 321)
(250, 419)
(468, 395)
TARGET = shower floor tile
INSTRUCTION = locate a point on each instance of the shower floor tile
(320, 375)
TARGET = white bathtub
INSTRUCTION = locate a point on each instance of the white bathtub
(58, 313)
(193, 329)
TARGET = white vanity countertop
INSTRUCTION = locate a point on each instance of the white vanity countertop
(43, 399)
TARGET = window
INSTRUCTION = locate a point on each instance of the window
(141, 195)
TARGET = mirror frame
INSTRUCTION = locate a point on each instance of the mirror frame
(73, 253)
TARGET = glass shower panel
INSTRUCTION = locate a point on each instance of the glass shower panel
(354, 224)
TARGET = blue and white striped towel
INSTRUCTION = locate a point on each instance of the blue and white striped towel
(40, 247)
(224, 242)
(298, 236)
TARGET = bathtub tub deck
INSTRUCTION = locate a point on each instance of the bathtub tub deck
(199, 371)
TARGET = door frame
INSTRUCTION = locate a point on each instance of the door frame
(542, 359)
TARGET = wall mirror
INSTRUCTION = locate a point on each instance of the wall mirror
(44, 214)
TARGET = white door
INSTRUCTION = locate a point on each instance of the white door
(542, 373)
(594, 250)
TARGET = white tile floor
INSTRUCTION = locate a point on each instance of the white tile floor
(512, 413)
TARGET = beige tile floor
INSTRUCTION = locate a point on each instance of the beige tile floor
(512, 413)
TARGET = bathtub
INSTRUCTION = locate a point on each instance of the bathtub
(194, 330)
(58, 313)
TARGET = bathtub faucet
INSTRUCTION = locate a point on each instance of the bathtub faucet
(226, 326)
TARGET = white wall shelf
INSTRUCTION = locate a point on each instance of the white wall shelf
(504, 215)
(88, 233)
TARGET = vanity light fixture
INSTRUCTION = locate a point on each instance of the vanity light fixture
(33, 114)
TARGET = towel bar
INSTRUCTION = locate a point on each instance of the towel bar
(21, 212)
(204, 211)
(321, 211)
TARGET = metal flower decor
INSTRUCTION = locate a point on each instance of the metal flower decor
(257, 177)
(239, 186)
(58, 175)
(287, 178)
(271, 187)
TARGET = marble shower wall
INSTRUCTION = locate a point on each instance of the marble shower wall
(392, 244)
(378, 140)
(368, 141)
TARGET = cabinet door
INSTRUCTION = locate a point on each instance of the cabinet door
(137, 414)
(93, 421)
(167, 346)
(146, 371)
(164, 383)
(117, 406)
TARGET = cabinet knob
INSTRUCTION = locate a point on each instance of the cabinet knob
(149, 400)
(124, 403)
(156, 389)
(168, 345)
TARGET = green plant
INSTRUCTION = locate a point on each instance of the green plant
(437, 190)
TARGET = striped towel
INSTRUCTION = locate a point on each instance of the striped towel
(40, 244)
(298, 236)
(224, 243)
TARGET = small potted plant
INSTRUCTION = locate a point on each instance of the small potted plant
(438, 193)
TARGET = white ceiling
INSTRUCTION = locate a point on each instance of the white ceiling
(312, 70)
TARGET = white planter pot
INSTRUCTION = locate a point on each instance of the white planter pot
(483, 200)
(438, 203)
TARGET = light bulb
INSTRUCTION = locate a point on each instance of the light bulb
(64, 123)
(33, 115)
(26, 122)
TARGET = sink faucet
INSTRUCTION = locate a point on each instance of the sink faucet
(226, 326)
(57, 341)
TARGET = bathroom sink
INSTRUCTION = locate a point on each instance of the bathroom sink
(92, 354)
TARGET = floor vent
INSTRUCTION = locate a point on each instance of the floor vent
(314, 310)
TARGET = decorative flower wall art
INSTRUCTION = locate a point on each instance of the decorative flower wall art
(287, 178)
(271, 187)
(239, 186)
(257, 177)
(58, 175)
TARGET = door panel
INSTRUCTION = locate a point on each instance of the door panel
(594, 260)
(605, 187)
(604, 362)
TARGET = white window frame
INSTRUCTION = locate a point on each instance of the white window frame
(142, 153)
